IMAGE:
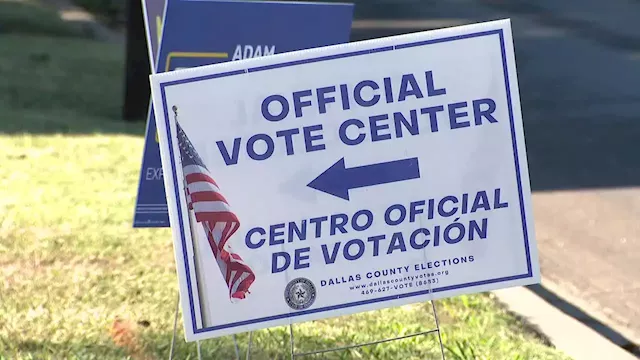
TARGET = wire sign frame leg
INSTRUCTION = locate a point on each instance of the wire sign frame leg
(437, 330)
(198, 349)
(295, 355)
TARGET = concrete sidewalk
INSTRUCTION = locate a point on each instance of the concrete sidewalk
(564, 332)
(589, 244)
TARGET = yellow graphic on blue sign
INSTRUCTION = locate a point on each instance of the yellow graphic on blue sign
(159, 27)
(179, 55)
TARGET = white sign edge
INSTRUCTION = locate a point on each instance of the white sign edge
(157, 80)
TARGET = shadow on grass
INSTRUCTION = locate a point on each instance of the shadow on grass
(57, 78)
(52, 85)
(36, 122)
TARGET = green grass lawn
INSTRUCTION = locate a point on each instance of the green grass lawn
(80, 282)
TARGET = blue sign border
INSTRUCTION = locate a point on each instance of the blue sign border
(529, 273)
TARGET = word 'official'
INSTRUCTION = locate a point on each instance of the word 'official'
(278, 108)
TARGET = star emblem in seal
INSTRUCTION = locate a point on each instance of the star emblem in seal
(300, 293)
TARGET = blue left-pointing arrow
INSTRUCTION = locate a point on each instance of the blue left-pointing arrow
(337, 180)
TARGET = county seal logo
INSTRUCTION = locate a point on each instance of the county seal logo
(300, 293)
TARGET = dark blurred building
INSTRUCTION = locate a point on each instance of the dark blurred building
(137, 90)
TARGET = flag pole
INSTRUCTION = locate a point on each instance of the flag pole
(194, 243)
(187, 148)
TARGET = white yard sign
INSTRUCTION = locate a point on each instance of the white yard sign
(348, 178)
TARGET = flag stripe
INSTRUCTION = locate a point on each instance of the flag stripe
(202, 217)
(212, 241)
(200, 186)
(204, 196)
(238, 282)
(210, 206)
(191, 178)
(197, 169)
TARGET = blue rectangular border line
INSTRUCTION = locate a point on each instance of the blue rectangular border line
(529, 273)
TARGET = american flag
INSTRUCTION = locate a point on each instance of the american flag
(212, 210)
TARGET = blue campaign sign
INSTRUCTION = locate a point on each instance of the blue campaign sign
(148, 212)
(196, 33)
